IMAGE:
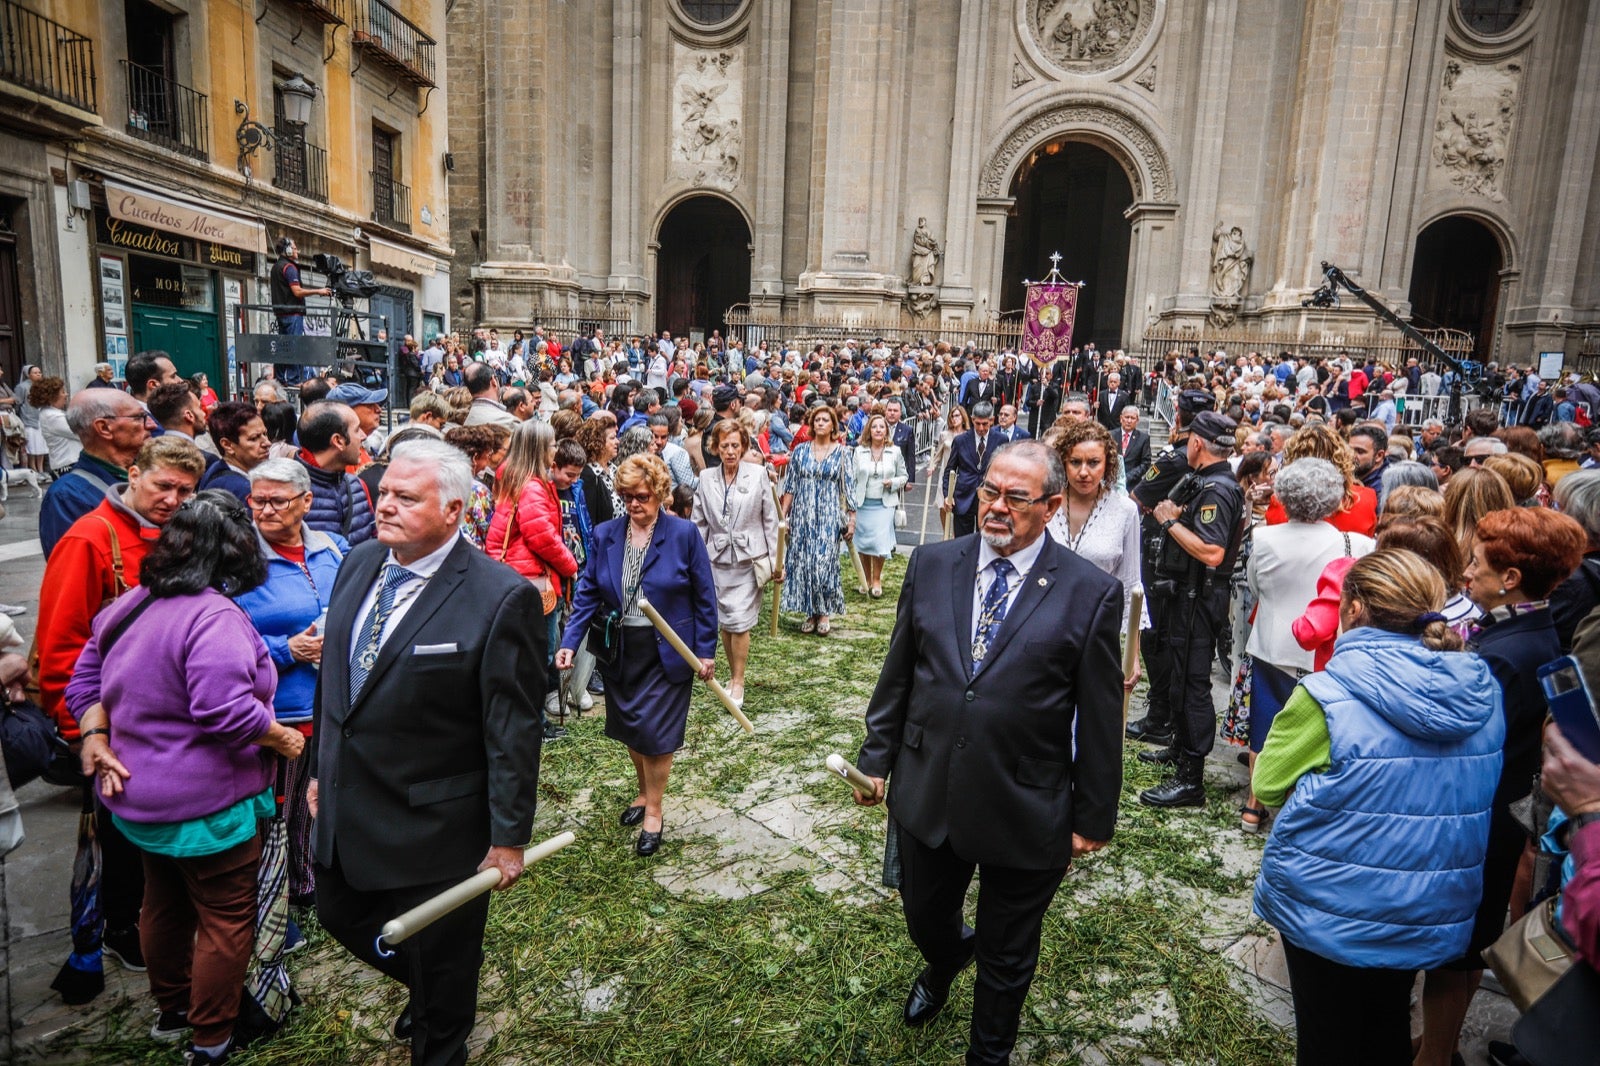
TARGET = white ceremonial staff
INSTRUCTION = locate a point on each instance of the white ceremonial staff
(1130, 650)
(649, 611)
(950, 515)
(858, 780)
(777, 590)
(927, 505)
(431, 910)
(861, 571)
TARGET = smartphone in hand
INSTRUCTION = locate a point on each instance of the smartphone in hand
(1571, 705)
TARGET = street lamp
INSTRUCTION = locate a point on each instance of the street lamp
(297, 97)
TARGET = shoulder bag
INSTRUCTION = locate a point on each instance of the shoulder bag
(548, 595)
(1532, 955)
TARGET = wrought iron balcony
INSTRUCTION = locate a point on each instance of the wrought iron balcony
(299, 166)
(393, 41)
(391, 202)
(327, 12)
(45, 57)
(166, 112)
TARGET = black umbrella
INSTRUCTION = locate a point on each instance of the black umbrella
(82, 977)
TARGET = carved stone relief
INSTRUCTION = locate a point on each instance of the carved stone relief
(1147, 80)
(1084, 36)
(1472, 131)
(921, 303)
(1230, 274)
(707, 112)
(1121, 128)
(1020, 74)
(925, 256)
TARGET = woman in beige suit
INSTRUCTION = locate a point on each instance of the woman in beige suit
(875, 493)
(736, 514)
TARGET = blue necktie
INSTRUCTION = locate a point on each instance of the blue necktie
(364, 653)
(992, 612)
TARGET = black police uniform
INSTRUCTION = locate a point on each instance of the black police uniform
(1170, 466)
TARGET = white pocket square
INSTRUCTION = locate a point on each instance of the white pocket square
(434, 649)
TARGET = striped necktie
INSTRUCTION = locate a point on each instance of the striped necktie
(992, 612)
(364, 652)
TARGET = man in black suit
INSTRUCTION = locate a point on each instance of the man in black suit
(1108, 408)
(902, 436)
(427, 757)
(1134, 444)
(970, 453)
(1007, 428)
(979, 390)
(1000, 729)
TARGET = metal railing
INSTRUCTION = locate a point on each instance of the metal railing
(46, 57)
(1357, 341)
(393, 40)
(298, 165)
(328, 12)
(753, 325)
(391, 202)
(166, 112)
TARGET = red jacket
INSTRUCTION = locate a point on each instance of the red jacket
(1318, 628)
(1360, 517)
(79, 579)
(536, 546)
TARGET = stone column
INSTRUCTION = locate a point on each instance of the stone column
(626, 276)
(989, 251)
(1209, 136)
(1562, 255)
(961, 278)
(1152, 260)
(766, 172)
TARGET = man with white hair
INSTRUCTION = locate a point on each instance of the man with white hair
(426, 765)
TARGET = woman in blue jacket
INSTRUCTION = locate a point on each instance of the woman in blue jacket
(287, 610)
(1374, 869)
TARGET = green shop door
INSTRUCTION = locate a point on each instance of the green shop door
(190, 337)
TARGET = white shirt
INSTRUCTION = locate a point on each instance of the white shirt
(1022, 559)
(405, 594)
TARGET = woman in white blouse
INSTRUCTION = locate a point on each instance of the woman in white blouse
(875, 496)
(1095, 521)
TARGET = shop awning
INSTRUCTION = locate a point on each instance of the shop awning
(401, 258)
(195, 221)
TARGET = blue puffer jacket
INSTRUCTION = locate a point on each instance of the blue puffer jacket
(1378, 861)
(339, 504)
(284, 605)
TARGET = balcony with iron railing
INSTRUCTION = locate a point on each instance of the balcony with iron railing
(166, 112)
(46, 58)
(393, 40)
(327, 12)
(298, 166)
(391, 202)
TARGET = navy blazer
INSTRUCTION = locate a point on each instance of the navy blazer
(964, 461)
(905, 438)
(676, 580)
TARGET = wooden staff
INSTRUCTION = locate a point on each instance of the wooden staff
(861, 571)
(649, 611)
(927, 505)
(856, 778)
(431, 910)
(1130, 650)
(777, 587)
(950, 515)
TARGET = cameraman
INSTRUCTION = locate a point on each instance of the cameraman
(1202, 522)
(289, 303)
(1170, 467)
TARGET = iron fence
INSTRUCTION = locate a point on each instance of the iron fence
(298, 165)
(328, 12)
(45, 57)
(801, 331)
(566, 323)
(391, 202)
(393, 40)
(166, 112)
(1375, 341)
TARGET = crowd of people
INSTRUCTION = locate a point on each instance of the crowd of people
(275, 593)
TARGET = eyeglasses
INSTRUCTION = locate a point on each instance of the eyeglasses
(1015, 500)
(265, 504)
(638, 497)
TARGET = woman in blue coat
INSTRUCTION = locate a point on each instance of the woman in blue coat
(1374, 870)
(653, 555)
(302, 564)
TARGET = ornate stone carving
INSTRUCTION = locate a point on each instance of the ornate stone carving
(1020, 74)
(1473, 129)
(707, 108)
(925, 256)
(1230, 274)
(1147, 80)
(1084, 36)
(1122, 129)
(922, 302)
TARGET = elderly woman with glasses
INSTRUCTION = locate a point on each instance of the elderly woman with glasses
(287, 610)
(651, 555)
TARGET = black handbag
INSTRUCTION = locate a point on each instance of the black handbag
(604, 640)
(32, 744)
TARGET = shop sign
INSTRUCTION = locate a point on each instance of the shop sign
(135, 238)
(187, 220)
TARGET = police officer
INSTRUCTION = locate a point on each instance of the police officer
(1202, 522)
(1164, 474)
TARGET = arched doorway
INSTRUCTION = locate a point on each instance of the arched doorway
(703, 266)
(1070, 197)
(1455, 280)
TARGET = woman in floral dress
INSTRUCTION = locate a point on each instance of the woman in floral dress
(815, 503)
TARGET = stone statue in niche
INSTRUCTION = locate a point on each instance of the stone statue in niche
(925, 256)
(1088, 34)
(1472, 132)
(708, 102)
(1230, 274)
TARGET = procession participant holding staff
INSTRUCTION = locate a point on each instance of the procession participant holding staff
(738, 518)
(653, 555)
(426, 762)
(983, 728)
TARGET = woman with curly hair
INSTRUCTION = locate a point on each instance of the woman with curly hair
(1095, 521)
(486, 446)
(598, 435)
(1358, 513)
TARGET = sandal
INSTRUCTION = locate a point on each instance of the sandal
(1251, 819)
(877, 592)
(808, 626)
(824, 627)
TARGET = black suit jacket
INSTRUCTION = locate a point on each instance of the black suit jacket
(968, 468)
(1136, 460)
(439, 757)
(1108, 409)
(987, 761)
(978, 391)
(905, 438)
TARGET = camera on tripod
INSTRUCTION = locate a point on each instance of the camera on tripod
(347, 285)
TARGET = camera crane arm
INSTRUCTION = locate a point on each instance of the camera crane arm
(1328, 296)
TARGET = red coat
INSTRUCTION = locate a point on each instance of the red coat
(1360, 517)
(78, 580)
(536, 547)
(1318, 628)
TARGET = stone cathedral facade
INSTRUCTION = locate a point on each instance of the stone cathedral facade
(1193, 161)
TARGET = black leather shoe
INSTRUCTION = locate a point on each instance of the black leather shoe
(1161, 756)
(632, 816)
(648, 843)
(1185, 788)
(404, 1025)
(927, 997)
(1149, 732)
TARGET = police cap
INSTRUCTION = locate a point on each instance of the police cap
(1193, 400)
(1210, 426)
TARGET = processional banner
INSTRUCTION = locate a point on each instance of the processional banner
(1047, 321)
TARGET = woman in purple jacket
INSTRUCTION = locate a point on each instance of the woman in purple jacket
(173, 695)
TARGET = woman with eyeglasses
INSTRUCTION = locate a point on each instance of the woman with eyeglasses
(287, 610)
(651, 555)
(816, 503)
